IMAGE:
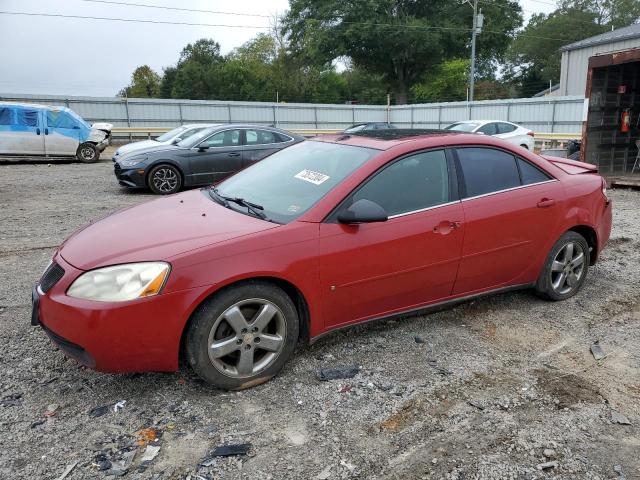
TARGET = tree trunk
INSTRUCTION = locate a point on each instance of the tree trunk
(401, 94)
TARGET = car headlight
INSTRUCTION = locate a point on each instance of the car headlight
(131, 162)
(121, 283)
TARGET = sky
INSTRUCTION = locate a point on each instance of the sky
(70, 56)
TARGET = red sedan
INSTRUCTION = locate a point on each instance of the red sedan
(325, 234)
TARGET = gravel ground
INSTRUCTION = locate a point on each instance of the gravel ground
(492, 389)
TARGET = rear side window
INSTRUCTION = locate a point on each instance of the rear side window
(486, 170)
(262, 137)
(506, 128)
(410, 184)
(489, 129)
(6, 116)
(531, 174)
(26, 117)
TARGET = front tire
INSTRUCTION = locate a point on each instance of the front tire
(565, 269)
(242, 336)
(87, 153)
(164, 180)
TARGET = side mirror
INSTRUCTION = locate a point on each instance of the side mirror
(202, 148)
(363, 211)
(175, 141)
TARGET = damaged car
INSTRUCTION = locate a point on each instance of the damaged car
(29, 130)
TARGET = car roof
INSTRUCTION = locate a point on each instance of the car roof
(226, 126)
(35, 105)
(483, 122)
(386, 139)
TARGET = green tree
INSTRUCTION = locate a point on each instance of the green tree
(534, 55)
(168, 81)
(205, 51)
(399, 40)
(610, 13)
(145, 83)
(446, 84)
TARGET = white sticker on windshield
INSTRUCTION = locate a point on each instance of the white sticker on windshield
(314, 177)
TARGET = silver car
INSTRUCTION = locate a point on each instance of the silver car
(169, 138)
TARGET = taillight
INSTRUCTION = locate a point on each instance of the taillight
(604, 189)
(531, 133)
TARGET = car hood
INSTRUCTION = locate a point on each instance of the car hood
(157, 230)
(150, 150)
(130, 147)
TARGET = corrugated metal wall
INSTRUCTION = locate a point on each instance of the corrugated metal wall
(575, 64)
(547, 114)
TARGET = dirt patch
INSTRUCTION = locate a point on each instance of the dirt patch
(567, 389)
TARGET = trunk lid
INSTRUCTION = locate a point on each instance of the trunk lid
(572, 167)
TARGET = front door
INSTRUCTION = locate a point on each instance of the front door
(61, 133)
(510, 206)
(216, 157)
(375, 269)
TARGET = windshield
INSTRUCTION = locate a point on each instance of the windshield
(196, 138)
(355, 128)
(463, 127)
(291, 181)
(79, 118)
(165, 137)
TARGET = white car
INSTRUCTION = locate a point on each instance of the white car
(170, 138)
(508, 131)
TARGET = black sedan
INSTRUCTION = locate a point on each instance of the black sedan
(201, 159)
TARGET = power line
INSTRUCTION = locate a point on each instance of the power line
(180, 9)
(131, 20)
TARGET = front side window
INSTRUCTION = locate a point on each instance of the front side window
(291, 181)
(487, 170)
(59, 119)
(228, 138)
(262, 137)
(410, 184)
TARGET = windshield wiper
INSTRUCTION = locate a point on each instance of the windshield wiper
(254, 208)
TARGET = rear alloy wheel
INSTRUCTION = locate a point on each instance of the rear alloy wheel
(243, 336)
(565, 269)
(165, 180)
(87, 153)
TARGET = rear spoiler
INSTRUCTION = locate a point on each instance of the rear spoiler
(572, 167)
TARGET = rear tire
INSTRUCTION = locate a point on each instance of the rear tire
(164, 179)
(242, 336)
(565, 269)
(87, 153)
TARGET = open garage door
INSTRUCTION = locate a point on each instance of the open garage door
(613, 121)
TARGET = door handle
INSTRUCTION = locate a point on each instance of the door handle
(46, 131)
(37, 131)
(234, 154)
(446, 226)
(546, 203)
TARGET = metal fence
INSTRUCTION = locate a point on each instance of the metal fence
(547, 114)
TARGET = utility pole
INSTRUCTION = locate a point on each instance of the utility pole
(478, 20)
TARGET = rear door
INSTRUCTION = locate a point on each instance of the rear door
(510, 209)
(61, 133)
(260, 144)
(21, 131)
(374, 269)
(489, 129)
(216, 157)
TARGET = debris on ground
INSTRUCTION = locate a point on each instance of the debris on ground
(617, 417)
(439, 370)
(231, 450)
(119, 405)
(12, 400)
(101, 462)
(345, 388)
(549, 453)
(145, 436)
(419, 339)
(150, 453)
(336, 373)
(547, 465)
(121, 467)
(67, 471)
(99, 411)
(324, 474)
(476, 404)
(596, 351)
(51, 410)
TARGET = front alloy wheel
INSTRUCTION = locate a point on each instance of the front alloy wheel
(165, 180)
(242, 336)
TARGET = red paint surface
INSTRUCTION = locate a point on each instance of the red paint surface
(346, 273)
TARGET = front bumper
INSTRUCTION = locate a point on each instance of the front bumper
(137, 336)
(130, 177)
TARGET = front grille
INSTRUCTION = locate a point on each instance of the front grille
(51, 276)
(117, 168)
